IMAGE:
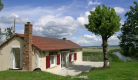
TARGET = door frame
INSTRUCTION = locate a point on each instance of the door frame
(13, 56)
(66, 59)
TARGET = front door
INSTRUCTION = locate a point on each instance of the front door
(63, 59)
(16, 58)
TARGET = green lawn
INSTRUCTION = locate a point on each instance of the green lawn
(117, 71)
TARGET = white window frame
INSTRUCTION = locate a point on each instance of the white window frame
(52, 65)
(72, 56)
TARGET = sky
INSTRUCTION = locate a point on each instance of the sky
(60, 18)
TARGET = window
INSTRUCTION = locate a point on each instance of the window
(52, 60)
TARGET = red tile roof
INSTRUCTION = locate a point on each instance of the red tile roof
(46, 43)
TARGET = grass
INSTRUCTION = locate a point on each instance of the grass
(117, 71)
(30, 75)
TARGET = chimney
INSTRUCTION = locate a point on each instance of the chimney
(27, 48)
(64, 39)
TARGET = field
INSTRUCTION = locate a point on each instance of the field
(98, 56)
(98, 49)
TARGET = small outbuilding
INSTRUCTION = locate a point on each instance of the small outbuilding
(28, 52)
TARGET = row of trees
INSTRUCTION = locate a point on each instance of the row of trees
(105, 22)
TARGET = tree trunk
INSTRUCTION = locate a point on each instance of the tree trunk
(105, 52)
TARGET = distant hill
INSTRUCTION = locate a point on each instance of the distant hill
(101, 46)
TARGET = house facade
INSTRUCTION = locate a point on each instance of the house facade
(28, 52)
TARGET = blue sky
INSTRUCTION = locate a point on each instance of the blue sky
(60, 18)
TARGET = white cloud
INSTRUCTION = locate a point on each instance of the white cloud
(93, 9)
(3, 26)
(93, 3)
(88, 40)
(92, 40)
(82, 41)
(61, 8)
(113, 40)
(33, 13)
(21, 31)
(90, 36)
(122, 22)
(10, 19)
(54, 26)
(83, 19)
(119, 9)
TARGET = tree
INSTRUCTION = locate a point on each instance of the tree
(1, 6)
(128, 40)
(104, 22)
(8, 32)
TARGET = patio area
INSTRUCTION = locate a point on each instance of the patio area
(76, 69)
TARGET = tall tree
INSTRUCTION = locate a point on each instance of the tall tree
(105, 22)
(9, 32)
(1, 5)
(128, 39)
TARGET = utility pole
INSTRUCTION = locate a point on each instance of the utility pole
(0, 34)
(14, 27)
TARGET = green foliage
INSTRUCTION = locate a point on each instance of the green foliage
(104, 22)
(92, 56)
(1, 5)
(9, 32)
(129, 31)
(98, 56)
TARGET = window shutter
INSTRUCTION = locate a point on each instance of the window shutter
(47, 62)
(69, 57)
(58, 59)
(75, 56)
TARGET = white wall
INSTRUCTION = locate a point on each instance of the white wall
(79, 57)
(6, 55)
(43, 63)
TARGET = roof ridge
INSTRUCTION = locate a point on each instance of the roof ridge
(47, 43)
(41, 36)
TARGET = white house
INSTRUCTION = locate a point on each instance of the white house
(28, 52)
